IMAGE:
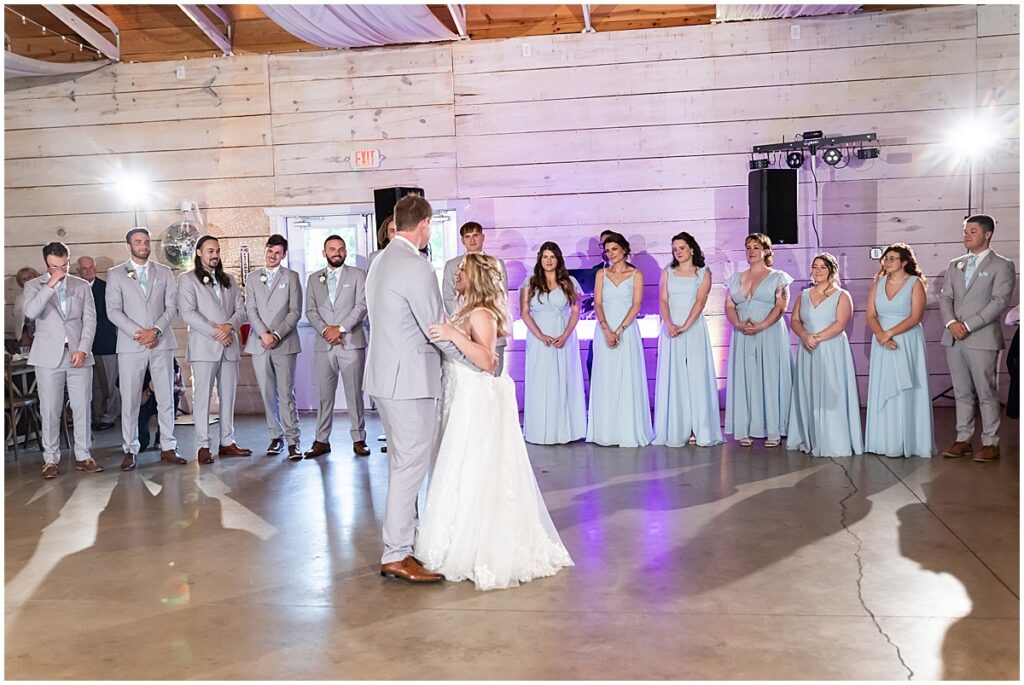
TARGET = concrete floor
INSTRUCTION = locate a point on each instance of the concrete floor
(720, 563)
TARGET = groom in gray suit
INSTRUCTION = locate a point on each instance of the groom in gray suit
(65, 316)
(336, 307)
(142, 301)
(975, 292)
(273, 305)
(210, 302)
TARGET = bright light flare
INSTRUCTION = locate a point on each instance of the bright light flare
(133, 189)
(972, 138)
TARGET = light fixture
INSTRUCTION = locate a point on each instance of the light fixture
(867, 152)
(832, 156)
(971, 139)
(758, 164)
(795, 159)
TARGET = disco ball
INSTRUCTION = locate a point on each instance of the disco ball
(179, 243)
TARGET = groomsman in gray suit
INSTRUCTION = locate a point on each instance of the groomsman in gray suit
(403, 376)
(142, 301)
(335, 307)
(975, 292)
(472, 235)
(65, 316)
(210, 302)
(273, 305)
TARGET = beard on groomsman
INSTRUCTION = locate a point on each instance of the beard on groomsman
(106, 402)
(273, 305)
(336, 307)
(975, 292)
(210, 302)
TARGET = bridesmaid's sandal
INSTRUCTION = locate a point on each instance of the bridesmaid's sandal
(746, 442)
(773, 443)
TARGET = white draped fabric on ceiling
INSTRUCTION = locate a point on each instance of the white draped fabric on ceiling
(745, 12)
(16, 66)
(356, 26)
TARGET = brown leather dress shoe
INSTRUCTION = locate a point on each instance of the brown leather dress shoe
(88, 465)
(293, 453)
(987, 453)
(204, 456)
(129, 462)
(411, 570)
(318, 449)
(50, 471)
(171, 457)
(959, 449)
(233, 450)
(276, 446)
(360, 449)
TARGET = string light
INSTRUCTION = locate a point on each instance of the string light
(81, 46)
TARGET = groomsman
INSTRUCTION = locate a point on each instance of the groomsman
(472, 235)
(142, 302)
(106, 403)
(273, 305)
(210, 302)
(335, 307)
(65, 317)
(975, 292)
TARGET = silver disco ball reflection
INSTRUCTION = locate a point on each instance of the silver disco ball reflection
(179, 243)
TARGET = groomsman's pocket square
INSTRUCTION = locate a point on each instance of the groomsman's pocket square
(282, 286)
(347, 285)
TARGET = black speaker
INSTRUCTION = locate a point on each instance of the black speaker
(384, 200)
(772, 194)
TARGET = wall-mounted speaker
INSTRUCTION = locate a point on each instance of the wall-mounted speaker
(384, 200)
(772, 198)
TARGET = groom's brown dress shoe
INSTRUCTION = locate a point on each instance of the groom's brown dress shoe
(318, 449)
(411, 570)
(171, 457)
(360, 449)
(129, 462)
(204, 456)
(233, 450)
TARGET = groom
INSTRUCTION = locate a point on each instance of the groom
(403, 376)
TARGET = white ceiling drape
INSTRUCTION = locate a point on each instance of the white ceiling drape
(355, 26)
(17, 66)
(745, 12)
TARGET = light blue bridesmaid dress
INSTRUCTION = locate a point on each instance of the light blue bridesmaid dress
(620, 410)
(760, 382)
(686, 391)
(899, 416)
(824, 418)
(554, 410)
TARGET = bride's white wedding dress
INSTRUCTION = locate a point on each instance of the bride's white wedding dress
(485, 519)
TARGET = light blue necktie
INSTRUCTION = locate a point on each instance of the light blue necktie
(271, 275)
(216, 291)
(332, 284)
(144, 280)
(62, 297)
(972, 264)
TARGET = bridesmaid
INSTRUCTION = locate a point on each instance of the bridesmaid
(620, 412)
(554, 411)
(760, 381)
(686, 391)
(824, 417)
(899, 417)
(385, 233)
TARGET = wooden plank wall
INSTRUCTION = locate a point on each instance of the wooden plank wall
(646, 132)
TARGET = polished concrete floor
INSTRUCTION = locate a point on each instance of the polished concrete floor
(721, 563)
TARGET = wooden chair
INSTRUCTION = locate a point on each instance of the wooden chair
(21, 405)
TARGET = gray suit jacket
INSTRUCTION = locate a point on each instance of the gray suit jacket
(347, 310)
(451, 296)
(201, 310)
(981, 304)
(403, 300)
(130, 309)
(78, 326)
(277, 310)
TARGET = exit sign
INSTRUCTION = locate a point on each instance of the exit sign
(365, 159)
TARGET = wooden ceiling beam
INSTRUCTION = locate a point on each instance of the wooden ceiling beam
(211, 30)
(88, 33)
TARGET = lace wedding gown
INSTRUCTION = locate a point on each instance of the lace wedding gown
(485, 519)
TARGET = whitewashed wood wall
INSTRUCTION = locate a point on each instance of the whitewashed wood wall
(645, 132)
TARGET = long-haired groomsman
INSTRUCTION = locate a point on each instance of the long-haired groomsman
(273, 304)
(335, 307)
(975, 292)
(142, 301)
(210, 302)
(65, 316)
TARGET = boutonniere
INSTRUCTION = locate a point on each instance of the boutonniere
(131, 273)
(961, 264)
(323, 278)
(206, 280)
(263, 279)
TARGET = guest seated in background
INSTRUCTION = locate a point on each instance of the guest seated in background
(554, 411)
(899, 416)
(686, 391)
(760, 381)
(106, 401)
(824, 416)
(24, 328)
(620, 412)
(148, 406)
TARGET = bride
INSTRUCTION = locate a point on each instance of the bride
(485, 519)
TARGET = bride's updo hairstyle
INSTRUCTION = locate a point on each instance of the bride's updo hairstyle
(485, 289)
